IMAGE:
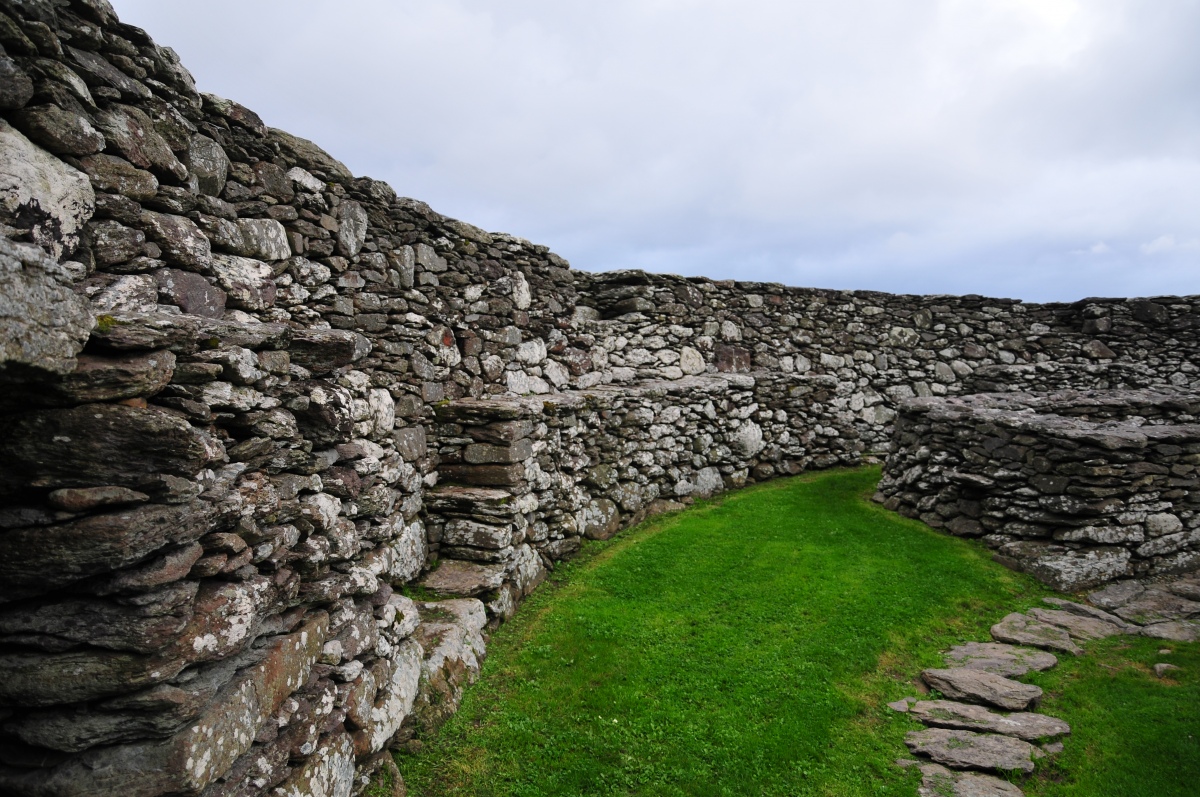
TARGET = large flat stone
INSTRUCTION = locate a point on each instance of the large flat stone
(466, 579)
(937, 781)
(999, 659)
(142, 625)
(977, 686)
(1022, 630)
(1083, 610)
(1158, 606)
(1077, 626)
(967, 750)
(99, 444)
(461, 531)
(1116, 594)
(481, 502)
(35, 560)
(108, 378)
(965, 716)
(1174, 630)
(1076, 570)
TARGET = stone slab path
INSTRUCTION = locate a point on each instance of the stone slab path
(969, 742)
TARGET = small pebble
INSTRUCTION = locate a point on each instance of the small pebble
(1162, 669)
(1053, 747)
(1165, 652)
(899, 705)
(905, 763)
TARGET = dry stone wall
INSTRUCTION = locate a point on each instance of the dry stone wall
(249, 399)
(1076, 487)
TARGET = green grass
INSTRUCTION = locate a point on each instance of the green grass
(746, 647)
(1132, 733)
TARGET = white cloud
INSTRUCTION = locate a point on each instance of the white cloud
(785, 140)
(1164, 244)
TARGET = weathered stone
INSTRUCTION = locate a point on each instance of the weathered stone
(1075, 625)
(600, 519)
(1157, 606)
(394, 699)
(99, 72)
(16, 88)
(132, 133)
(208, 164)
(1185, 588)
(1022, 630)
(466, 579)
(113, 242)
(323, 350)
(1116, 595)
(35, 680)
(182, 242)
(110, 173)
(36, 560)
(937, 781)
(309, 156)
(1162, 669)
(1174, 630)
(43, 323)
(75, 499)
(1076, 570)
(98, 444)
(967, 750)
(131, 293)
(1092, 612)
(480, 453)
(999, 659)
(121, 331)
(41, 193)
(203, 751)
(60, 130)
(949, 714)
(146, 625)
(262, 239)
(451, 633)
(235, 112)
(247, 283)
(979, 686)
(191, 293)
(460, 531)
(108, 378)
(352, 228)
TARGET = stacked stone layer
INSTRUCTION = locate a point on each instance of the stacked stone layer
(249, 398)
(1076, 487)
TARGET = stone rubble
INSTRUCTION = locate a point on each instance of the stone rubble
(252, 400)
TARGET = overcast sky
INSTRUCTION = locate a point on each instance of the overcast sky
(1038, 149)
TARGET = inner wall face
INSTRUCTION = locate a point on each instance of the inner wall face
(248, 395)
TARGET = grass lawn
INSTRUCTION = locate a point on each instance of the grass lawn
(746, 647)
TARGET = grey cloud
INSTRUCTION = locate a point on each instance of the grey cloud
(926, 146)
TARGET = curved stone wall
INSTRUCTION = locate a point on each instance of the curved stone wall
(249, 398)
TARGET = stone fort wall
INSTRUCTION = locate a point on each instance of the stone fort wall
(249, 399)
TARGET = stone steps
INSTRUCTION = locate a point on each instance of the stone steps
(964, 736)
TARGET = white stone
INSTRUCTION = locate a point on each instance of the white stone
(532, 352)
(747, 440)
(305, 180)
(35, 183)
(522, 296)
(691, 361)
